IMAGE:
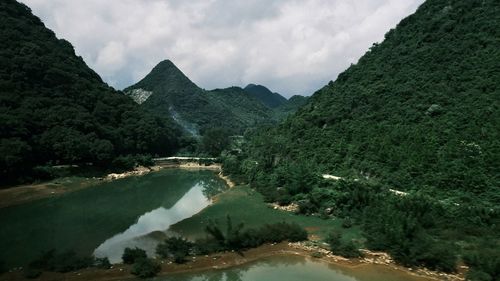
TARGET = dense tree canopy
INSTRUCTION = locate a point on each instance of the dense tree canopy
(419, 111)
(53, 108)
(265, 96)
(413, 130)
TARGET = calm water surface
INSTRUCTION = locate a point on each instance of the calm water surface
(294, 268)
(103, 220)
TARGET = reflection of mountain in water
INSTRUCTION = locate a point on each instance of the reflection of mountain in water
(156, 220)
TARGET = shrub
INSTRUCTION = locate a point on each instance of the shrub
(31, 273)
(102, 263)
(174, 247)
(207, 246)
(484, 262)
(441, 256)
(61, 262)
(349, 250)
(124, 163)
(69, 261)
(347, 222)
(131, 255)
(237, 238)
(145, 160)
(44, 172)
(345, 249)
(145, 268)
(317, 255)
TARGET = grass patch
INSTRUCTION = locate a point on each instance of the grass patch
(246, 205)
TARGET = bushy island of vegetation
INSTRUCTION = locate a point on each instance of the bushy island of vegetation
(404, 144)
(219, 239)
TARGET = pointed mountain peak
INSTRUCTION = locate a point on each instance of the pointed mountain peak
(166, 76)
(166, 68)
(165, 65)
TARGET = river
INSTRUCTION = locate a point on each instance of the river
(106, 218)
(137, 212)
(296, 268)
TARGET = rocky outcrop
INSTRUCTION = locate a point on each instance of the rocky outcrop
(139, 95)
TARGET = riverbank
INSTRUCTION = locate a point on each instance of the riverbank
(26, 193)
(231, 259)
(21, 194)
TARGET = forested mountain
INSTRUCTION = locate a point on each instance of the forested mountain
(54, 109)
(247, 108)
(420, 110)
(264, 95)
(290, 106)
(166, 90)
(418, 113)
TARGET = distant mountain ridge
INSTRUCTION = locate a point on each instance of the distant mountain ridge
(166, 90)
(290, 106)
(264, 95)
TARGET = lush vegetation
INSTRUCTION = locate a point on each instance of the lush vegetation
(197, 110)
(145, 268)
(413, 130)
(130, 255)
(289, 107)
(230, 237)
(55, 110)
(339, 247)
(237, 238)
(265, 96)
(248, 206)
(246, 108)
(176, 248)
(53, 261)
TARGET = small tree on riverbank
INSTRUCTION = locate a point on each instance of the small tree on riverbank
(338, 247)
(145, 268)
(176, 248)
(131, 255)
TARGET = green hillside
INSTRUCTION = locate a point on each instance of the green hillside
(419, 113)
(264, 95)
(290, 106)
(166, 90)
(420, 110)
(54, 109)
(234, 99)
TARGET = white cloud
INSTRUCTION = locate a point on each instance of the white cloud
(291, 46)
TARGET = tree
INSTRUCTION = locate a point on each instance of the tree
(145, 268)
(214, 141)
(131, 255)
(174, 247)
(346, 249)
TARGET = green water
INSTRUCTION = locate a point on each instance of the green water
(294, 268)
(103, 219)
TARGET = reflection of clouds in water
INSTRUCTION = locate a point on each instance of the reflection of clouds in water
(213, 187)
(157, 220)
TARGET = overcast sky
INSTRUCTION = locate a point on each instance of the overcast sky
(290, 46)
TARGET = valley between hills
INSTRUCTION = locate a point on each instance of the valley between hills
(389, 172)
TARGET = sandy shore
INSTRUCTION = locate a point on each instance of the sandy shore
(231, 259)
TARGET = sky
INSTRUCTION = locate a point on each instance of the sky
(290, 46)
